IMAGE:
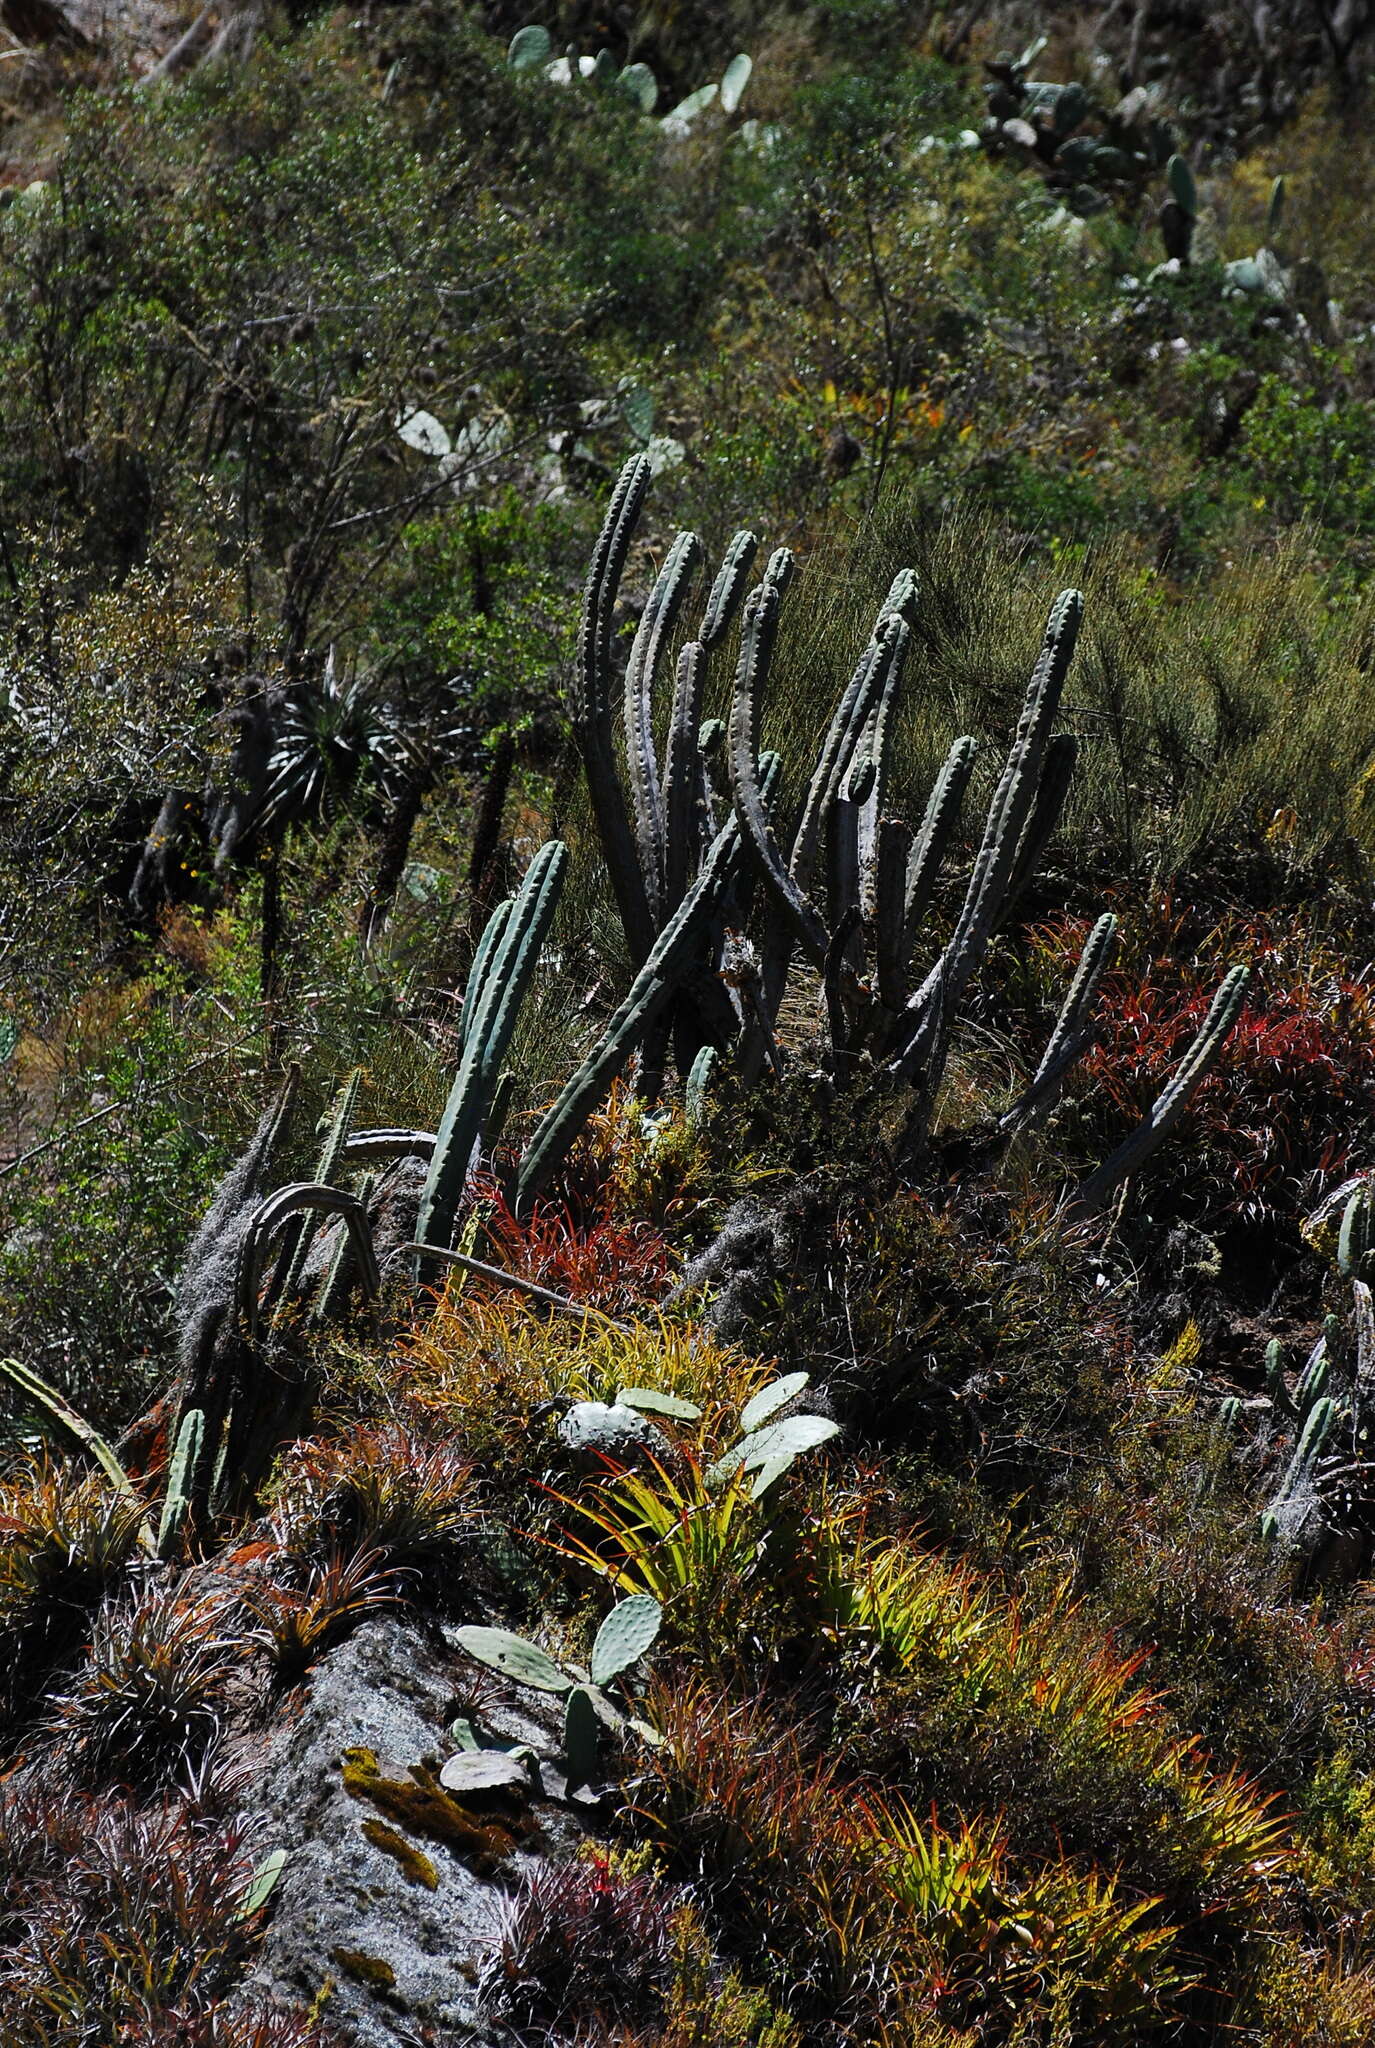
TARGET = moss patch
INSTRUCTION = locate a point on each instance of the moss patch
(373, 1971)
(423, 1807)
(414, 1862)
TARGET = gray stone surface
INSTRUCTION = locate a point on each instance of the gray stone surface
(613, 1431)
(391, 1689)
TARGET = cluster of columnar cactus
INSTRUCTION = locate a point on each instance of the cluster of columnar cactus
(848, 886)
(849, 894)
(1332, 1409)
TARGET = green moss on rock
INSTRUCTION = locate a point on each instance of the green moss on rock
(414, 1862)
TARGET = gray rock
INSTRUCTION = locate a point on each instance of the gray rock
(616, 1432)
(401, 1932)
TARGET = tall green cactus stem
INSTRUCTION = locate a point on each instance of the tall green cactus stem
(591, 706)
(877, 747)
(843, 738)
(728, 589)
(672, 956)
(646, 656)
(756, 653)
(1061, 756)
(1313, 1379)
(779, 571)
(890, 888)
(902, 599)
(933, 1008)
(933, 840)
(698, 1086)
(1072, 1034)
(181, 1475)
(833, 986)
(508, 977)
(1363, 1316)
(492, 934)
(1295, 1499)
(684, 797)
(823, 821)
(842, 844)
(1170, 1105)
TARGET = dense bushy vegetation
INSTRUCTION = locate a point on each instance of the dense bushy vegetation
(788, 1114)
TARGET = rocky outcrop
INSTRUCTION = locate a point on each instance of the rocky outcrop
(393, 1893)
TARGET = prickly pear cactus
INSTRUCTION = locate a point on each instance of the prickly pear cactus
(625, 1636)
(514, 1657)
(581, 1738)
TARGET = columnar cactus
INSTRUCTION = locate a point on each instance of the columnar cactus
(502, 973)
(1170, 1105)
(651, 991)
(849, 886)
(638, 858)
